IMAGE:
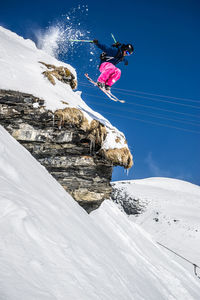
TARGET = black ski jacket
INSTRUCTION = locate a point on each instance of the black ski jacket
(112, 54)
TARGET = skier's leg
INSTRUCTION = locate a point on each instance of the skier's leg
(106, 70)
(114, 77)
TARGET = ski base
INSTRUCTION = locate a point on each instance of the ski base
(109, 94)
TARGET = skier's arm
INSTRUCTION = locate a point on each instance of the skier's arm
(109, 50)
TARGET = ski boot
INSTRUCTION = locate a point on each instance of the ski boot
(108, 88)
(101, 85)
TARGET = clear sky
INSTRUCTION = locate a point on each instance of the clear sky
(163, 133)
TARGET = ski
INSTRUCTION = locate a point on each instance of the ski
(109, 94)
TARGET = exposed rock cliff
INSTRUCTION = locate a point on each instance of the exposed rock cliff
(65, 152)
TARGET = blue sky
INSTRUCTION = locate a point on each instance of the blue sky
(162, 132)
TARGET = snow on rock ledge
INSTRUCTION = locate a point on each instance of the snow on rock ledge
(26, 69)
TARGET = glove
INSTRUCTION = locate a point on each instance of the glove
(95, 42)
(117, 45)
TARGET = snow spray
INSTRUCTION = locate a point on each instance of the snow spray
(57, 39)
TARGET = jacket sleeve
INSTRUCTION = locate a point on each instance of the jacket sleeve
(109, 50)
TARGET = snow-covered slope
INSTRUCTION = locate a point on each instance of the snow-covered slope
(171, 215)
(50, 248)
(21, 70)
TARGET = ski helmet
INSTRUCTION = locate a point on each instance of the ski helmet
(129, 48)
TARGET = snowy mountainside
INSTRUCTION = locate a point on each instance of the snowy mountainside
(50, 248)
(170, 213)
(21, 70)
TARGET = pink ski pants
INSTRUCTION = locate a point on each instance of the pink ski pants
(109, 73)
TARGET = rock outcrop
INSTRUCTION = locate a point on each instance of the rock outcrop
(63, 142)
(126, 202)
(61, 73)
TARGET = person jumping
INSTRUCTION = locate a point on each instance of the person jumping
(110, 57)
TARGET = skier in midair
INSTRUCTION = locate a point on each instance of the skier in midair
(110, 57)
